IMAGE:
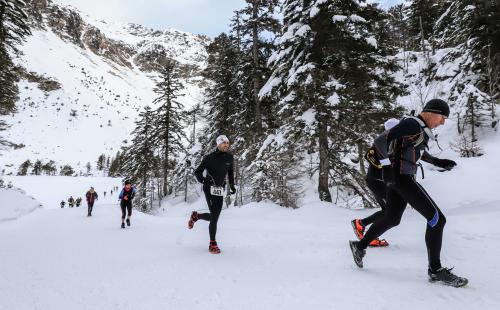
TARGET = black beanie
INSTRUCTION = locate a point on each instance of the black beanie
(437, 106)
(127, 182)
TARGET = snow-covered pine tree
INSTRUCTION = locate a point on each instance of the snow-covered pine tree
(13, 23)
(169, 130)
(222, 94)
(13, 30)
(100, 162)
(114, 168)
(421, 17)
(37, 167)
(23, 168)
(465, 31)
(333, 84)
(140, 160)
(298, 84)
(398, 27)
(49, 168)
(276, 172)
(254, 28)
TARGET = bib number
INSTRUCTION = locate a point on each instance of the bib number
(217, 190)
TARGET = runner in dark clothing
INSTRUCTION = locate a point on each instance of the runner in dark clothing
(218, 164)
(126, 196)
(63, 203)
(376, 184)
(78, 201)
(91, 196)
(71, 202)
(399, 154)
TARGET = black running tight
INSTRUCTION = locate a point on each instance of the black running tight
(126, 206)
(215, 206)
(377, 186)
(407, 190)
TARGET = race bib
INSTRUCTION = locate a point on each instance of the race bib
(217, 190)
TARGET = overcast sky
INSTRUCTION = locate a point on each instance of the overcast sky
(209, 17)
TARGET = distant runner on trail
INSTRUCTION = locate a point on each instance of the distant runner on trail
(71, 202)
(398, 154)
(91, 196)
(217, 164)
(63, 203)
(126, 196)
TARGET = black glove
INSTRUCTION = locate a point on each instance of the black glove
(232, 190)
(447, 164)
(388, 175)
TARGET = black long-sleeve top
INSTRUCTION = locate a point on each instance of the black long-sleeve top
(217, 164)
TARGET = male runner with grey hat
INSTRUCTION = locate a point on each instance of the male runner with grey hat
(217, 164)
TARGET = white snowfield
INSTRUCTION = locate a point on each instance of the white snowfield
(272, 258)
(14, 204)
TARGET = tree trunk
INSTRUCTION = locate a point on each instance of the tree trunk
(167, 148)
(323, 190)
(361, 158)
(472, 119)
(256, 77)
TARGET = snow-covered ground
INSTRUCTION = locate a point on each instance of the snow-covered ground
(15, 203)
(272, 258)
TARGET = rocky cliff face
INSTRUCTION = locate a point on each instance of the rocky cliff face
(132, 44)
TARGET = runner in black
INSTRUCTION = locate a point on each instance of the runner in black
(126, 196)
(217, 165)
(376, 184)
(400, 152)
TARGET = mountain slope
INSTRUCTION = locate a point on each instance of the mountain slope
(84, 85)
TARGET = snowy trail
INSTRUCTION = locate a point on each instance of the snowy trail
(272, 258)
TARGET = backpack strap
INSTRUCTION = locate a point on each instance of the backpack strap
(425, 131)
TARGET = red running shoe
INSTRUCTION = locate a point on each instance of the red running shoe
(213, 248)
(193, 219)
(359, 229)
(378, 243)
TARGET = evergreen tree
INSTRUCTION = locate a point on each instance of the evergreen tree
(67, 170)
(255, 26)
(114, 167)
(422, 15)
(466, 30)
(37, 168)
(101, 160)
(333, 85)
(169, 130)
(23, 168)
(222, 95)
(140, 156)
(13, 23)
(49, 168)
(13, 30)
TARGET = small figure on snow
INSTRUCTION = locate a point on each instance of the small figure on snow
(91, 196)
(71, 202)
(126, 196)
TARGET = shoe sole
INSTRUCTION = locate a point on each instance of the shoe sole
(466, 281)
(352, 246)
(379, 246)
